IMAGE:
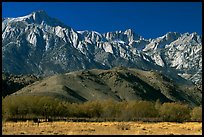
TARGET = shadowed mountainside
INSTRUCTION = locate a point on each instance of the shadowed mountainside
(117, 84)
(12, 83)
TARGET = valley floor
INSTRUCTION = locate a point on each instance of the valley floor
(101, 128)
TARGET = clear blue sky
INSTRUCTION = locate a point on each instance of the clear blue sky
(149, 19)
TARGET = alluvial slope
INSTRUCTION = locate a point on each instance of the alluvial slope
(39, 44)
(117, 84)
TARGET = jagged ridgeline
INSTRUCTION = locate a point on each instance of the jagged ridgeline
(81, 66)
(41, 45)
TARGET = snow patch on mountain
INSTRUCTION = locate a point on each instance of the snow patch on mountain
(47, 45)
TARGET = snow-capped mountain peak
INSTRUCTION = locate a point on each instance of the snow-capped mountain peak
(39, 44)
(37, 17)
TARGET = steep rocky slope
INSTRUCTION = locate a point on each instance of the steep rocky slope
(41, 45)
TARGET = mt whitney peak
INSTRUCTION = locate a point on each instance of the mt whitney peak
(41, 45)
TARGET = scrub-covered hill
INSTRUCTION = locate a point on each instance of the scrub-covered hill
(117, 84)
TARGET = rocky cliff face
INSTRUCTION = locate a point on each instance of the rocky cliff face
(39, 44)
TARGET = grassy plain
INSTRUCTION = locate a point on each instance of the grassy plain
(101, 128)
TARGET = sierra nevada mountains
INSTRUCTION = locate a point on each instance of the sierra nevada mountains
(41, 45)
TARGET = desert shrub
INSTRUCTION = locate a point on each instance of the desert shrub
(145, 109)
(93, 108)
(111, 109)
(63, 109)
(133, 110)
(174, 112)
(88, 109)
(196, 114)
(80, 110)
(158, 104)
(47, 105)
(38, 106)
(9, 107)
(75, 110)
(29, 106)
(139, 109)
(123, 126)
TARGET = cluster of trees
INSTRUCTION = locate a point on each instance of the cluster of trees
(38, 106)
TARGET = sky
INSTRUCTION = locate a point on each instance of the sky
(148, 19)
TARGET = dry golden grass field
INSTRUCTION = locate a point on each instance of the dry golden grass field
(101, 128)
